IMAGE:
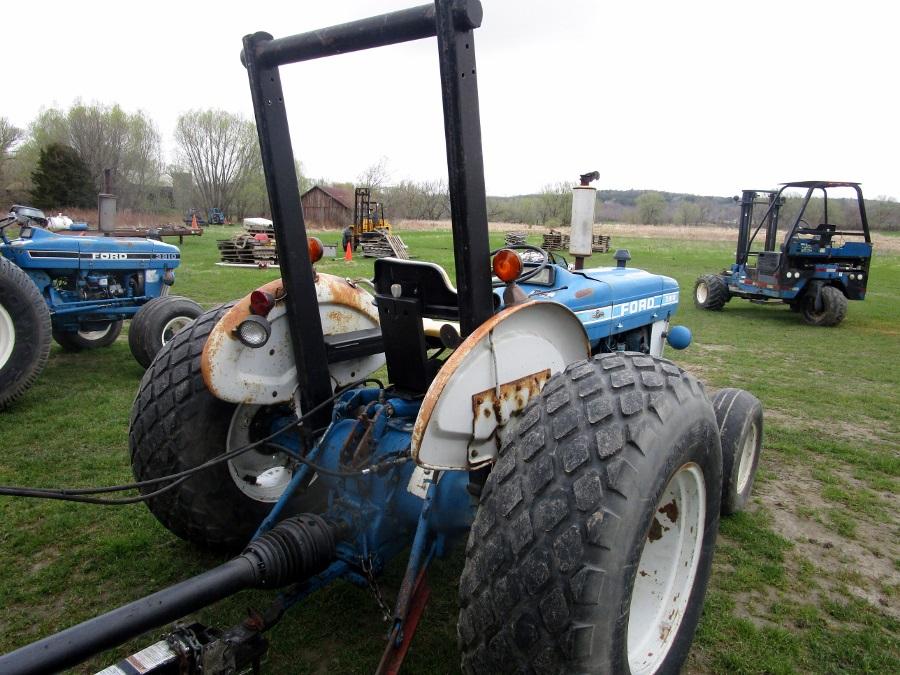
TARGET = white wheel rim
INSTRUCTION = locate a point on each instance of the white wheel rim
(7, 336)
(262, 476)
(666, 571)
(702, 292)
(92, 335)
(173, 326)
(748, 453)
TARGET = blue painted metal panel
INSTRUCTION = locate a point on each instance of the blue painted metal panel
(609, 300)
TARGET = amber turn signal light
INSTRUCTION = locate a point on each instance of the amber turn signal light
(316, 250)
(507, 265)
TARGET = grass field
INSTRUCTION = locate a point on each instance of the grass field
(808, 580)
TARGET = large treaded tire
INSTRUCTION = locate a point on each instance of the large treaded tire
(834, 307)
(711, 292)
(739, 415)
(156, 323)
(566, 512)
(24, 333)
(76, 341)
(176, 424)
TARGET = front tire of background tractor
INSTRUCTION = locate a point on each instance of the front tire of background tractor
(711, 292)
(592, 545)
(24, 332)
(834, 307)
(177, 424)
(75, 341)
(157, 322)
(739, 415)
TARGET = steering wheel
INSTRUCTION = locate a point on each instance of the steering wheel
(525, 276)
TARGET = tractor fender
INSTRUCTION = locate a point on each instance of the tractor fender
(266, 375)
(493, 374)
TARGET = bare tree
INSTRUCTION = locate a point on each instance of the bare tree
(104, 137)
(428, 200)
(221, 150)
(142, 162)
(553, 205)
(99, 135)
(376, 176)
(651, 208)
(9, 135)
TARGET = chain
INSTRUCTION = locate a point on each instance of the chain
(367, 566)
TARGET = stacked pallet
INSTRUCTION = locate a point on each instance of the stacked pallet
(246, 249)
(259, 226)
(555, 241)
(387, 245)
(515, 239)
(600, 243)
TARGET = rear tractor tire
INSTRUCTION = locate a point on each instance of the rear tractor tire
(834, 307)
(78, 340)
(24, 333)
(177, 424)
(592, 545)
(739, 415)
(157, 322)
(711, 292)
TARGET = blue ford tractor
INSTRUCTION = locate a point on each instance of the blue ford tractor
(815, 269)
(79, 290)
(527, 409)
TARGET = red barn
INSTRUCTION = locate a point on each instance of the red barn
(327, 206)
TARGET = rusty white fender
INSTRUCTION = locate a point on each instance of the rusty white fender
(266, 375)
(490, 376)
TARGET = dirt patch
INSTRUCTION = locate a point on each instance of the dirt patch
(864, 429)
(865, 566)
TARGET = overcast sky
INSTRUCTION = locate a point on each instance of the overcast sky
(699, 97)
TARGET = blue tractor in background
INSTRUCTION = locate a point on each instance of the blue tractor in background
(815, 270)
(79, 290)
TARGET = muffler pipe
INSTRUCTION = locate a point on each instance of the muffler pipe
(294, 550)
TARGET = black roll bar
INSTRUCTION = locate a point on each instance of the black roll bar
(453, 23)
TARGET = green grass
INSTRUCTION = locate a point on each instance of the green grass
(781, 600)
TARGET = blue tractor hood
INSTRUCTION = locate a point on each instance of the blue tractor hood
(607, 300)
(38, 248)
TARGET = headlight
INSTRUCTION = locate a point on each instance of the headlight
(254, 331)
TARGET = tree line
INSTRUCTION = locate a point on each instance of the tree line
(65, 157)
(61, 160)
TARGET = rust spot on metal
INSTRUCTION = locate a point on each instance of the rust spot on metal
(664, 631)
(329, 288)
(656, 530)
(502, 401)
(671, 511)
(584, 292)
(224, 330)
(452, 363)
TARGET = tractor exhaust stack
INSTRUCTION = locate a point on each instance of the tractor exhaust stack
(296, 549)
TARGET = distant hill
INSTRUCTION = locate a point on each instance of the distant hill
(636, 206)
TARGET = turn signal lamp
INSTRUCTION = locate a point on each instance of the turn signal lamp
(507, 265)
(316, 250)
(261, 303)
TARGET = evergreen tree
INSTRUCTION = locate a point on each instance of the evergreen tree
(62, 179)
